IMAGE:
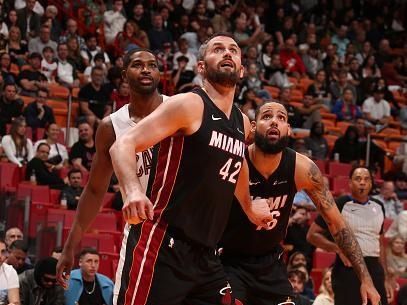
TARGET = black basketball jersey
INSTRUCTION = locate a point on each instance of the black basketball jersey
(194, 177)
(242, 237)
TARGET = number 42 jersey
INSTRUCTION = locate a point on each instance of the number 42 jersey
(193, 178)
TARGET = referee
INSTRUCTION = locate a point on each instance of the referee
(365, 217)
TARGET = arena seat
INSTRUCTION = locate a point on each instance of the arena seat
(104, 222)
(58, 91)
(107, 200)
(316, 275)
(340, 185)
(323, 259)
(55, 216)
(10, 176)
(37, 218)
(54, 196)
(339, 169)
(343, 126)
(107, 262)
(321, 165)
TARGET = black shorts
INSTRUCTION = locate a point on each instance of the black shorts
(163, 267)
(258, 280)
(346, 284)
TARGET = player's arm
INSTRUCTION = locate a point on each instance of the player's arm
(91, 199)
(258, 211)
(180, 114)
(309, 177)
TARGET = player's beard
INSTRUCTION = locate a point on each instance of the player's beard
(223, 78)
(268, 147)
(139, 88)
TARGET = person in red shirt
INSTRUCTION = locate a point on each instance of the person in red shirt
(120, 96)
(290, 59)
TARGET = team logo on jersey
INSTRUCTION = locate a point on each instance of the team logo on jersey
(226, 143)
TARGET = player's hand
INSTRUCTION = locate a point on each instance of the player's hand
(137, 207)
(259, 212)
(64, 267)
(369, 292)
(389, 290)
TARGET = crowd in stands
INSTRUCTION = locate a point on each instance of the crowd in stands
(339, 67)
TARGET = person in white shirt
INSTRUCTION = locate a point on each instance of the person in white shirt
(183, 51)
(9, 284)
(375, 109)
(48, 63)
(114, 21)
(66, 73)
(16, 145)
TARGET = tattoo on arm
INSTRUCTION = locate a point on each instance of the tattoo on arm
(346, 241)
(320, 195)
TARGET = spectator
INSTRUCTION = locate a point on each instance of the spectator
(65, 72)
(297, 279)
(13, 234)
(296, 232)
(310, 111)
(44, 172)
(345, 109)
(364, 53)
(37, 44)
(326, 294)
(38, 285)
(38, 114)
(375, 109)
(121, 96)
(5, 67)
(141, 17)
(391, 203)
(183, 26)
(252, 81)
(58, 155)
(398, 226)
(221, 22)
(86, 285)
(9, 286)
(32, 79)
(400, 182)
(294, 116)
(341, 40)
(73, 190)
(131, 36)
(290, 59)
(51, 13)
(99, 60)
(74, 54)
(28, 20)
(348, 147)
(338, 87)
(94, 98)
(11, 18)
(241, 34)
(183, 50)
(182, 77)
(369, 68)
(17, 147)
(72, 32)
(316, 142)
(311, 58)
(391, 74)
(275, 74)
(397, 258)
(113, 21)
(10, 106)
(319, 89)
(17, 256)
(56, 252)
(91, 49)
(82, 152)
(157, 35)
(49, 64)
(17, 48)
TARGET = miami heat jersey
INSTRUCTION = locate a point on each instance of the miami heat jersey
(122, 122)
(194, 177)
(242, 237)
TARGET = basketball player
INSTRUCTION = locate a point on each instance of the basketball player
(142, 74)
(252, 255)
(198, 166)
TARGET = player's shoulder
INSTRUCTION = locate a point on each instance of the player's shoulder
(105, 135)
(307, 173)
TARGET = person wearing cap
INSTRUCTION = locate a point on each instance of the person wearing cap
(32, 79)
(375, 109)
(38, 285)
(99, 61)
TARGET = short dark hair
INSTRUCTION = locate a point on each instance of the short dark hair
(297, 273)
(88, 250)
(42, 89)
(74, 171)
(362, 167)
(204, 45)
(43, 144)
(19, 244)
(57, 249)
(47, 48)
(127, 56)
